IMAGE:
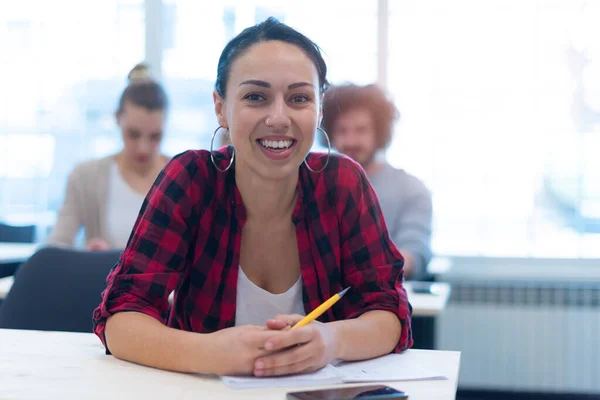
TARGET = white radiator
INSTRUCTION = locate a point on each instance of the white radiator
(524, 336)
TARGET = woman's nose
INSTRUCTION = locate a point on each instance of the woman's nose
(278, 115)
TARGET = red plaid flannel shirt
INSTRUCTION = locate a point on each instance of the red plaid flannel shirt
(187, 239)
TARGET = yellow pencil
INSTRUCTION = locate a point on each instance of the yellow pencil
(316, 313)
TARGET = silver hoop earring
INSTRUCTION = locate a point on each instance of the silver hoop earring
(328, 153)
(212, 158)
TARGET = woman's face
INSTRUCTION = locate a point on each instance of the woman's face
(272, 108)
(142, 131)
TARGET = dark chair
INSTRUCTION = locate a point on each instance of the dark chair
(57, 290)
(17, 234)
(14, 234)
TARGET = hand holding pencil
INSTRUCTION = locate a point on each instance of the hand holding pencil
(302, 348)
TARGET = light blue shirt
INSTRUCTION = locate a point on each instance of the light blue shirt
(407, 209)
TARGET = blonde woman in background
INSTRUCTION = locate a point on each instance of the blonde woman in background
(104, 196)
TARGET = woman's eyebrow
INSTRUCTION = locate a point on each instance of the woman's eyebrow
(265, 84)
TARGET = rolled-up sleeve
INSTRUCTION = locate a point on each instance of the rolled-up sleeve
(371, 263)
(155, 257)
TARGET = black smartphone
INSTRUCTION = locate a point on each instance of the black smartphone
(376, 392)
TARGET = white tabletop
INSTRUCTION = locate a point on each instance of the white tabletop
(16, 252)
(428, 305)
(62, 365)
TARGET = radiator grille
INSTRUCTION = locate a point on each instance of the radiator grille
(529, 336)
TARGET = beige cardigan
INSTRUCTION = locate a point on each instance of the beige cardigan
(84, 204)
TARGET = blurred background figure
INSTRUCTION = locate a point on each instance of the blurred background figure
(359, 121)
(104, 196)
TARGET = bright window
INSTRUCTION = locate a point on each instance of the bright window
(63, 65)
(500, 104)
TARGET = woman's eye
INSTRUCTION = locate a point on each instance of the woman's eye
(254, 97)
(301, 98)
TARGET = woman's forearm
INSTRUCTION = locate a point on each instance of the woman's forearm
(139, 338)
(373, 334)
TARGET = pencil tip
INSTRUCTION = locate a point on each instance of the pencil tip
(343, 292)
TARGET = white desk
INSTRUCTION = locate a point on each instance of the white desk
(428, 305)
(16, 252)
(61, 365)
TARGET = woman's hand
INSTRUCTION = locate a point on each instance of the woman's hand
(97, 244)
(295, 351)
(236, 349)
(284, 322)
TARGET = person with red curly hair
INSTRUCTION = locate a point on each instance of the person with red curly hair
(359, 121)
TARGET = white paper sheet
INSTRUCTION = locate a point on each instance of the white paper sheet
(325, 376)
(393, 367)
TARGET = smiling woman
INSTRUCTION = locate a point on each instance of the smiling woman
(251, 243)
(291, 102)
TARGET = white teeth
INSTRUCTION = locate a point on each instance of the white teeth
(277, 144)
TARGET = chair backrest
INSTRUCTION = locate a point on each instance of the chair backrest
(57, 290)
(17, 234)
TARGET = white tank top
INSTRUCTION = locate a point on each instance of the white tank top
(255, 305)
(122, 208)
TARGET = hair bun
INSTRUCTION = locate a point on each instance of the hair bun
(139, 73)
